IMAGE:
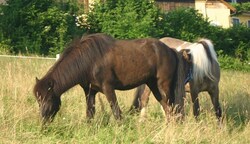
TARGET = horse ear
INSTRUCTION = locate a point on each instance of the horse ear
(186, 55)
(37, 80)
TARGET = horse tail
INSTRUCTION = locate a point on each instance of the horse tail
(208, 45)
(203, 56)
(179, 85)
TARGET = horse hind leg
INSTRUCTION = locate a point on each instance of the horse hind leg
(162, 96)
(214, 95)
(135, 107)
(143, 101)
(141, 97)
(196, 105)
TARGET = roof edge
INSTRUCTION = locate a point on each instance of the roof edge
(228, 5)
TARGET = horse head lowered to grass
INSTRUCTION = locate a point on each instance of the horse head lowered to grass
(100, 63)
(205, 75)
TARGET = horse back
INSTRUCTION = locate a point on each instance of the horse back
(131, 63)
(175, 43)
(149, 51)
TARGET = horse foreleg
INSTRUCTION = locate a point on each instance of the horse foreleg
(111, 97)
(90, 100)
(214, 95)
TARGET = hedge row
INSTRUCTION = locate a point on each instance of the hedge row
(45, 27)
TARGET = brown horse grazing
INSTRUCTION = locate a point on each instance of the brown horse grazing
(205, 75)
(100, 63)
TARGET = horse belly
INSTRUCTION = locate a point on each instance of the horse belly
(133, 71)
(129, 82)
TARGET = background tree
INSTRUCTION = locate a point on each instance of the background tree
(242, 7)
(186, 23)
(46, 26)
(125, 19)
(37, 26)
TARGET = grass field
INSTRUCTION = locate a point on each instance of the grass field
(19, 113)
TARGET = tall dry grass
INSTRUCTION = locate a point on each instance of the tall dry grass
(19, 114)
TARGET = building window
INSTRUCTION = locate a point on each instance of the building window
(236, 21)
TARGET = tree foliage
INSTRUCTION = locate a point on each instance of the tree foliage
(37, 26)
(125, 19)
(242, 7)
(45, 26)
(186, 24)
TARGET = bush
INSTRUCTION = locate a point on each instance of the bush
(242, 7)
(42, 27)
(4, 47)
(240, 45)
(125, 19)
(231, 63)
(186, 24)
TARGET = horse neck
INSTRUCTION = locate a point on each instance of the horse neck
(66, 74)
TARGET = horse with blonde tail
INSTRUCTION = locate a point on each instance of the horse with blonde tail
(204, 75)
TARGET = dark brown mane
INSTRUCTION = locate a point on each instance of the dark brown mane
(77, 58)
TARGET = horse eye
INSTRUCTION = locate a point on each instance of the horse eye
(38, 96)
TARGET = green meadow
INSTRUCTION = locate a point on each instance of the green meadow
(20, 120)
